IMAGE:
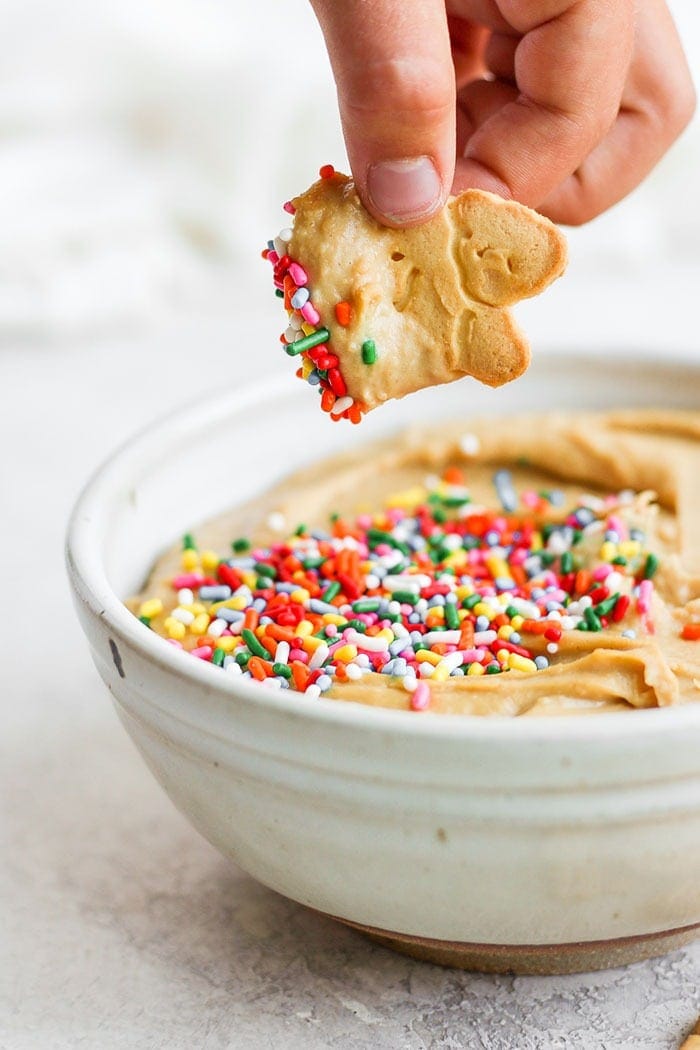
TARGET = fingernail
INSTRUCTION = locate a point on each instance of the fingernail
(403, 190)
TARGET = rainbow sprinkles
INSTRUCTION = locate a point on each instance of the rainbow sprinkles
(306, 336)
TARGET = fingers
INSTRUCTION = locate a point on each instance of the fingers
(657, 104)
(396, 90)
(570, 82)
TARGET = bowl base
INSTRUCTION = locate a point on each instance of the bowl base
(537, 959)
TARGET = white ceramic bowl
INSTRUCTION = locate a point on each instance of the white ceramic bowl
(545, 844)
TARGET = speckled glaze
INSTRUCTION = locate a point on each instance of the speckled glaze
(483, 833)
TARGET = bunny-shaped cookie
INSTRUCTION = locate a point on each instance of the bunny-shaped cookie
(405, 309)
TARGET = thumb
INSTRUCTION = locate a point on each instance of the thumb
(396, 91)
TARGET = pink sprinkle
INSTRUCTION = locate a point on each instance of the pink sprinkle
(382, 548)
(602, 572)
(530, 498)
(298, 274)
(273, 257)
(331, 630)
(202, 652)
(617, 525)
(299, 654)
(310, 313)
(174, 642)
(644, 599)
(420, 697)
(364, 521)
(187, 579)
(289, 207)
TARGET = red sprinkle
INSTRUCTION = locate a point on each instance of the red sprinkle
(327, 171)
(691, 632)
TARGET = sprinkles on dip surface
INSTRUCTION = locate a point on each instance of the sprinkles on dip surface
(307, 335)
(430, 587)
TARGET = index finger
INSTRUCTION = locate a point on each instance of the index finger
(570, 70)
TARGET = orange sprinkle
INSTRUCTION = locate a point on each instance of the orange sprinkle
(250, 620)
(466, 637)
(535, 626)
(280, 634)
(300, 675)
(691, 632)
(584, 579)
(269, 643)
(343, 313)
(259, 668)
(327, 400)
(355, 413)
(453, 476)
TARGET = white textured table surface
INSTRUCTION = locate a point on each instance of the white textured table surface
(124, 928)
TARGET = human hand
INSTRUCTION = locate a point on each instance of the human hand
(564, 105)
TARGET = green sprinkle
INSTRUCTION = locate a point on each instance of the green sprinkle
(451, 616)
(321, 335)
(188, 543)
(240, 545)
(300, 530)
(455, 501)
(313, 563)
(471, 601)
(366, 605)
(253, 644)
(146, 620)
(567, 563)
(406, 597)
(604, 608)
(493, 669)
(218, 657)
(242, 659)
(377, 536)
(359, 625)
(263, 569)
(331, 591)
(369, 352)
(592, 620)
(279, 293)
(619, 560)
(547, 558)
(282, 669)
(439, 516)
(511, 611)
(650, 566)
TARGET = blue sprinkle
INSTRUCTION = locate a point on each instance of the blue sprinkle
(414, 618)
(515, 638)
(230, 615)
(637, 534)
(457, 673)
(397, 647)
(313, 378)
(584, 516)
(241, 563)
(324, 682)
(215, 593)
(317, 606)
(556, 498)
(437, 599)
(400, 666)
(541, 662)
(503, 482)
(492, 538)
(259, 604)
(482, 623)
(286, 588)
(388, 668)
(503, 584)
(299, 298)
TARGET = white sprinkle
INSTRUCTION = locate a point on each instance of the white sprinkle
(233, 667)
(272, 683)
(312, 691)
(470, 444)
(282, 653)
(407, 583)
(426, 670)
(276, 521)
(371, 581)
(370, 645)
(285, 235)
(353, 671)
(185, 596)
(552, 648)
(319, 657)
(183, 615)
(290, 334)
(341, 404)
(216, 628)
(485, 637)
(446, 637)
(409, 683)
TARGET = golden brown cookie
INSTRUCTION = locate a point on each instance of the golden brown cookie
(376, 313)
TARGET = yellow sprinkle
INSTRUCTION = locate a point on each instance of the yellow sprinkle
(199, 624)
(498, 567)
(407, 499)
(250, 579)
(226, 643)
(424, 656)
(230, 603)
(311, 644)
(440, 674)
(307, 329)
(505, 632)
(502, 655)
(517, 622)
(608, 551)
(476, 669)
(304, 628)
(189, 559)
(346, 653)
(629, 548)
(521, 663)
(464, 592)
(195, 608)
(210, 560)
(536, 542)
(151, 608)
(334, 618)
(385, 633)
(175, 628)
(457, 559)
(300, 595)
(482, 609)
(307, 367)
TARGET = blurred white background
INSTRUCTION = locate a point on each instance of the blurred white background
(146, 148)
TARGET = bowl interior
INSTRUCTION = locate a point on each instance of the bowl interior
(204, 459)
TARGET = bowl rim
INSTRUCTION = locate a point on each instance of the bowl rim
(92, 589)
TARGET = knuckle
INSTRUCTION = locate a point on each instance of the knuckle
(406, 86)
